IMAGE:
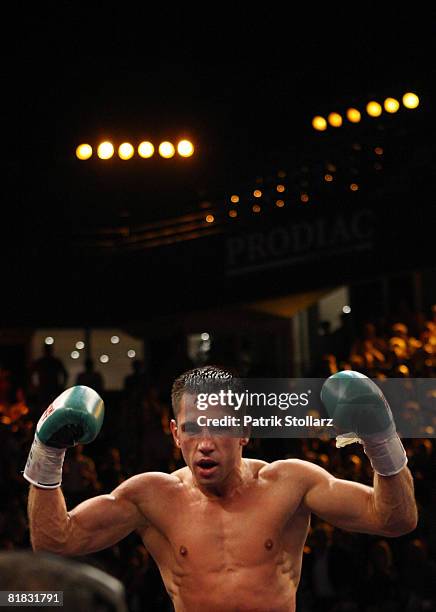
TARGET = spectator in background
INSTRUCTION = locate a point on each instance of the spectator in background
(134, 384)
(90, 377)
(418, 576)
(80, 476)
(48, 377)
(342, 338)
(381, 590)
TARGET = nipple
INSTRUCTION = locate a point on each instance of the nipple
(183, 551)
(268, 544)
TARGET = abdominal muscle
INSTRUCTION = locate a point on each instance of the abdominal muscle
(248, 589)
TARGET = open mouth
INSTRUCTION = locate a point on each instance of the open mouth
(206, 466)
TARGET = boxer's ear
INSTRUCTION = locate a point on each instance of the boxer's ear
(175, 432)
(244, 441)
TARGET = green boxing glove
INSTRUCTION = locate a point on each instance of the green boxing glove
(361, 413)
(75, 417)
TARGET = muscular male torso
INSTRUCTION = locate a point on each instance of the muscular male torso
(235, 554)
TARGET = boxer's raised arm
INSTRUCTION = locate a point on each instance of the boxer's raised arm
(94, 524)
(387, 509)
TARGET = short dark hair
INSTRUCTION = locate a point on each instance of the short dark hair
(191, 381)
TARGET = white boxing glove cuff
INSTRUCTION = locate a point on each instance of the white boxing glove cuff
(385, 451)
(44, 465)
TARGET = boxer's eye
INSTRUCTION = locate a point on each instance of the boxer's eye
(191, 428)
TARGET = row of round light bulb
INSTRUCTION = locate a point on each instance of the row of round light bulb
(145, 149)
(373, 109)
(81, 345)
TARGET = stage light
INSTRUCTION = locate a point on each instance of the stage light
(80, 345)
(234, 199)
(391, 105)
(373, 109)
(280, 188)
(105, 150)
(346, 309)
(335, 119)
(280, 203)
(145, 149)
(166, 149)
(353, 115)
(410, 100)
(257, 193)
(115, 339)
(378, 151)
(328, 178)
(354, 187)
(210, 219)
(233, 213)
(75, 355)
(256, 208)
(49, 340)
(126, 151)
(319, 123)
(304, 197)
(104, 358)
(131, 354)
(185, 148)
(84, 151)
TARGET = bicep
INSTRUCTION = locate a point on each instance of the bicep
(102, 521)
(343, 503)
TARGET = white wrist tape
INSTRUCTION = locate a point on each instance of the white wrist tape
(384, 450)
(44, 465)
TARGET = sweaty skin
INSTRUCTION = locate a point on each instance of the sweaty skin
(228, 538)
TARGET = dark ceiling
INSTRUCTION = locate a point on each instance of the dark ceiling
(242, 83)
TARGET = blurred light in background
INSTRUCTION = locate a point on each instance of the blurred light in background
(80, 345)
(280, 203)
(234, 199)
(410, 100)
(185, 148)
(280, 188)
(257, 193)
(335, 119)
(166, 149)
(145, 149)
(346, 309)
(374, 109)
(84, 151)
(115, 339)
(304, 197)
(104, 358)
(233, 213)
(205, 336)
(391, 105)
(354, 187)
(75, 355)
(353, 115)
(105, 150)
(328, 178)
(210, 219)
(126, 150)
(49, 340)
(319, 123)
(131, 353)
(256, 208)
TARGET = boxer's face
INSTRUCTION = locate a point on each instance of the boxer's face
(211, 455)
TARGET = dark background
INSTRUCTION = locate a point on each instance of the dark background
(244, 84)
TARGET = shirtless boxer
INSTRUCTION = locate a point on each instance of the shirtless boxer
(226, 532)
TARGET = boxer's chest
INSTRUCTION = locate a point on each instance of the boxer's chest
(247, 531)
